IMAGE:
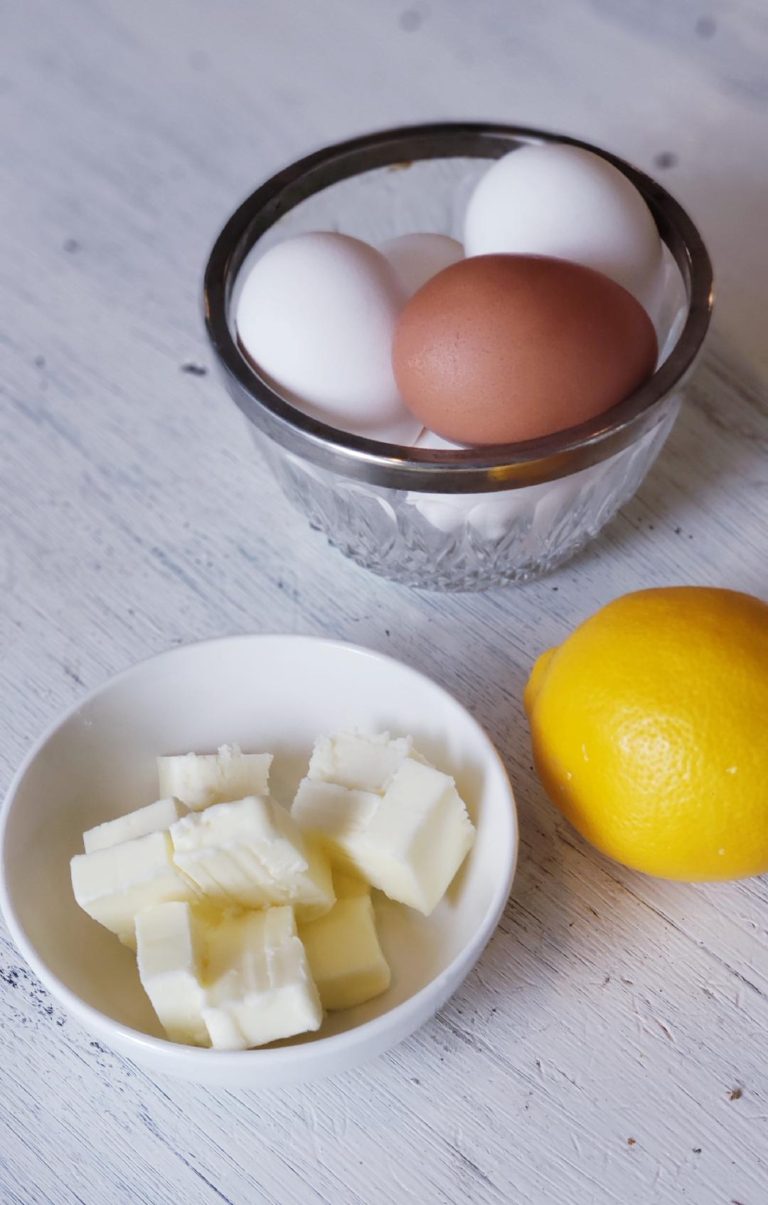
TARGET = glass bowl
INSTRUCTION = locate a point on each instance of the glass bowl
(427, 517)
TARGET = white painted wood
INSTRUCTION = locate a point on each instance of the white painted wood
(594, 1054)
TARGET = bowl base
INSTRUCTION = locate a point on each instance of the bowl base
(467, 542)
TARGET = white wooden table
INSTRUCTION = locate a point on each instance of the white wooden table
(612, 1045)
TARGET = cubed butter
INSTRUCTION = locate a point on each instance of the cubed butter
(170, 948)
(418, 837)
(347, 884)
(409, 842)
(258, 983)
(344, 954)
(200, 779)
(252, 853)
(112, 885)
(151, 819)
(359, 761)
(338, 817)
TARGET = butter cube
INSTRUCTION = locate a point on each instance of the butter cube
(338, 817)
(359, 761)
(151, 819)
(259, 987)
(200, 779)
(420, 835)
(347, 884)
(252, 853)
(344, 954)
(170, 947)
(112, 885)
(409, 842)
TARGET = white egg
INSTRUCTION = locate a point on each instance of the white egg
(571, 204)
(430, 439)
(316, 315)
(535, 511)
(446, 512)
(668, 309)
(416, 258)
(490, 514)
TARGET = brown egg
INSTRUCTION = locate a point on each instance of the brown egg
(500, 348)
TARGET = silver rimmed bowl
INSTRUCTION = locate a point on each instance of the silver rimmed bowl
(448, 520)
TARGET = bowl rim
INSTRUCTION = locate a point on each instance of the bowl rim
(472, 470)
(134, 1040)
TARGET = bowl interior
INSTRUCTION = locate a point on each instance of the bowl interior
(275, 693)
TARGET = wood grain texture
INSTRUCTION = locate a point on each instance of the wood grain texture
(594, 1053)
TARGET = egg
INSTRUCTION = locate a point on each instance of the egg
(416, 258)
(531, 511)
(669, 307)
(431, 441)
(316, 315)
(570, 203)
(491, 515)
(501, 348)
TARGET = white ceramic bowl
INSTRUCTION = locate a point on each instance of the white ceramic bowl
(268, 692)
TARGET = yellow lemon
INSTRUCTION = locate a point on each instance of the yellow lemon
(650, 731)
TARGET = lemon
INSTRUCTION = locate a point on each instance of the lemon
(650, 731)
